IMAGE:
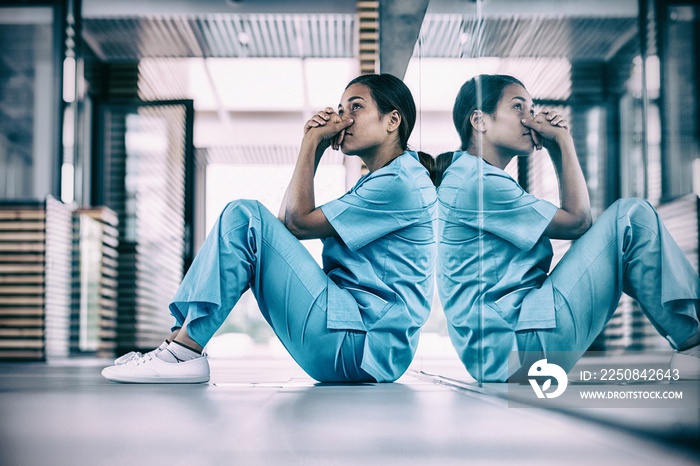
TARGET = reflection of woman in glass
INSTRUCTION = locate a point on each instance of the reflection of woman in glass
(494, 249)
(357, 319)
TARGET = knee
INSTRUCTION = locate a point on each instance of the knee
(637, 209)
(243, 204)
(239, 209)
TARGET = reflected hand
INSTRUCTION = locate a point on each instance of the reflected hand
(547, 127)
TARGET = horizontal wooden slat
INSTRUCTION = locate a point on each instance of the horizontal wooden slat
(22, 214)
(21, 290)
(21, 226)
(22, 300)
(21, 343)
(368, 15)
(20, 311)
(21, 269)
(14, 355)
(22, 247)
(21, 332)
(22, 258)
(22, 321)
(13, 237)
(23, 279)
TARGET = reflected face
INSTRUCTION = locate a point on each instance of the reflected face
(504, 131)
(368, 131)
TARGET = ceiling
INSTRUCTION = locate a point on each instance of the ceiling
(222, 36)
(333, 35)
(533, 38)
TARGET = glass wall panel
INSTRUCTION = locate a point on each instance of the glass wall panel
(28, 102)
(624, 74)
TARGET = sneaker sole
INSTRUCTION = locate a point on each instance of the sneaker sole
(157, 380)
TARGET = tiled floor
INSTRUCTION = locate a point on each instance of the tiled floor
(267, 411)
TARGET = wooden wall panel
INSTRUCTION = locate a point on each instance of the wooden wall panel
(35, 274)
(22, 251)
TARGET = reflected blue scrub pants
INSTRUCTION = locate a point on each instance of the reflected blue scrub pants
(629, 250)
(250, 248)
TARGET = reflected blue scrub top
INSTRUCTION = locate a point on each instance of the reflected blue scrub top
(492, 254)
(384, 256)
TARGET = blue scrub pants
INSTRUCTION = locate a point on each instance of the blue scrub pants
(250, 248)
(629, 250)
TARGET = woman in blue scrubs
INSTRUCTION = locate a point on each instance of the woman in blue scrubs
(499, 296)
(358, 318)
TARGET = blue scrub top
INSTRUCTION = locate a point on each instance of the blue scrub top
(384, 256)
(492, 257)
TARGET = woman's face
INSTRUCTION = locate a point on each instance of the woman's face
(504, 131)
(369, 129)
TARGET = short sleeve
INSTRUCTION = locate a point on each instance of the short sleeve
(377, 206)
(504, 209)
(513, 214)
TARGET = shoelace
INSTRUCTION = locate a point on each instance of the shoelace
(127, 357)
(142, 359)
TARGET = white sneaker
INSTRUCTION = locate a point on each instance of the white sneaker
(149, 369)
(136, 354)
(687, 363)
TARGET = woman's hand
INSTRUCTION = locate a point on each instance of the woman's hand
(328, 128)
(548, 129)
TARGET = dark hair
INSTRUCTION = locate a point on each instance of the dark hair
(482, 92)
(442, 161)
(428, 162)
(390, 93)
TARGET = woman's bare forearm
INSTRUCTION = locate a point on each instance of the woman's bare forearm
(299, 199)
(574, 217)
